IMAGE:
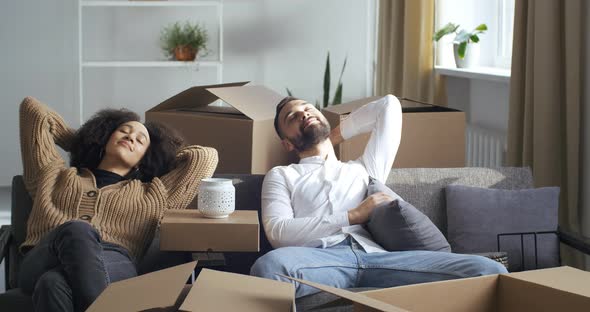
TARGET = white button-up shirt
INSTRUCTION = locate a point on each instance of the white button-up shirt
(306, 204)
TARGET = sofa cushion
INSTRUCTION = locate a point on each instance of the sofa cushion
(477, 215)
(398, 225)
(425, 187)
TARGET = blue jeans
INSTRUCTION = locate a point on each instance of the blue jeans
(69, 268)
(347, 265)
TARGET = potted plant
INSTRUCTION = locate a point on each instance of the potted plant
(466, 54)
(183, 42)
(326, 97)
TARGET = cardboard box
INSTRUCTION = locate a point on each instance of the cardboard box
(188, 230)
(243, 134)
(555, 289)
(212, 291)
(432, 136)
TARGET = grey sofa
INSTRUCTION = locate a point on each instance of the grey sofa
(424, 188)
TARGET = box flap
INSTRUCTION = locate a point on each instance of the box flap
(222, 291)
(193, 97)
(356, 297)
(408, 106)
(563, 278)
(223, 110)
(458, 295)
(256, 102)
(516, 294)
(345, 108)
(155, 290)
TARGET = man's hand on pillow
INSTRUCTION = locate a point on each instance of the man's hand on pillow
(360, 214)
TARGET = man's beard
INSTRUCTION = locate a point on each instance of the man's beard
(311, 136)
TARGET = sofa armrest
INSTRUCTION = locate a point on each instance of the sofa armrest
(5, 239)
(574, 240)
(498, 256)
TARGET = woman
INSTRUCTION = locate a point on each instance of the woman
(90, 222)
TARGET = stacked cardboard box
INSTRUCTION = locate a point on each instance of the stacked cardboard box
(243, 134)
(432, 136)
(188, 230)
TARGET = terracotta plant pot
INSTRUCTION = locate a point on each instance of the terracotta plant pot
(185, 53)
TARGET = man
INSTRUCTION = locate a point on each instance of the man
(313, 211)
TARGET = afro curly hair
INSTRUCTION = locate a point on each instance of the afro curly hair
(91, 138)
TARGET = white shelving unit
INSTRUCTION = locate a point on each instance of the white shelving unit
(88, 65)
(150, 64)
(164, 3)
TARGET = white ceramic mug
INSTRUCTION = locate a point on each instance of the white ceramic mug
(217, 198)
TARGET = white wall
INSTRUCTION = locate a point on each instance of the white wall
(37, 58)
(273, 43)
(484, 102)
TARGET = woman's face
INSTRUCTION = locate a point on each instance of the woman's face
(128, 144)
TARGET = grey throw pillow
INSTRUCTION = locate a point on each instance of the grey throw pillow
(399, 226)
(477, 215)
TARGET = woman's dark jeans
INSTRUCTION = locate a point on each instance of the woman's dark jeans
(71, 266)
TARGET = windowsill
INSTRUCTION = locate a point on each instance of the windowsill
(481, 73)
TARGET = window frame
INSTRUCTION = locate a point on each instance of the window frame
(505, 34)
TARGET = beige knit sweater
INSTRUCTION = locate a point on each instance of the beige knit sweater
(126, 213)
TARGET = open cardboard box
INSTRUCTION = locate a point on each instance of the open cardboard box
(432, 136)
(188, 230)
(555, 289)
(243, 134)
(166, 290)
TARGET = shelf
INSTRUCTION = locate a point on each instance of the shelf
(147, 3)
(150, 64)
(482, 73)
(102, 68)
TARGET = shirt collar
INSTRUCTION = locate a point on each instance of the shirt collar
(317, 159)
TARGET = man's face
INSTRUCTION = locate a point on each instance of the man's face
(302, 125)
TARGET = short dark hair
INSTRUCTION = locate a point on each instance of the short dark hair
(280, 106)
(88, 145)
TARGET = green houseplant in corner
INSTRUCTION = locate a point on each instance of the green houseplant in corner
(465, 49)
(183, 42)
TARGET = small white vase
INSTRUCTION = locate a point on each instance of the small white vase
(471, 58)
(217, 198)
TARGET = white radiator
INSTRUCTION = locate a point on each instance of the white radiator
(484, 147)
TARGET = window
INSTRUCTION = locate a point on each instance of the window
(495, 44)
(505, 33)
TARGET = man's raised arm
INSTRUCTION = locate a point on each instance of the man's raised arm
(383, 118)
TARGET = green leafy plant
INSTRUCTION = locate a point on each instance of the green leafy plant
(462, 37)
(327, 82)
(193, 36)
